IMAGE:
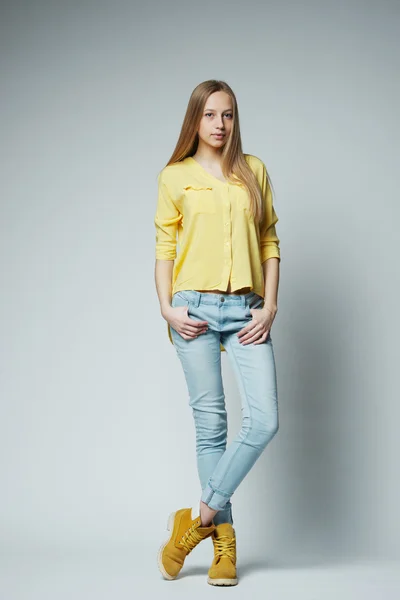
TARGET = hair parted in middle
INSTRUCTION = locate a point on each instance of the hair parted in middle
(233, 164)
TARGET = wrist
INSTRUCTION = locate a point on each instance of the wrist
(165, 309)
(271, 308)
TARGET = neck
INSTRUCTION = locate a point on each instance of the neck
(207, 155)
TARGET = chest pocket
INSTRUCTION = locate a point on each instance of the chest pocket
(242, 199)
(199, 199)
(243, 203)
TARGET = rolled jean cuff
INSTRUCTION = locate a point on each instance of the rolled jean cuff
(215, 499)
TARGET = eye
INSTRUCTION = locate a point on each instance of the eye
(229, 115)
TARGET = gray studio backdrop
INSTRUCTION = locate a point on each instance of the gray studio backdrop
(97, 438)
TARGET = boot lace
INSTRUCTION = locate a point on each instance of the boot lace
(225, 546)
(190, 538)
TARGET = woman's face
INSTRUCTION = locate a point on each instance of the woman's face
(216, 119)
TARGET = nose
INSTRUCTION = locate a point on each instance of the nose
(220, 123)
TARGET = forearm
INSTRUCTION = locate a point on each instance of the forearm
(163, 280)
(271, 282)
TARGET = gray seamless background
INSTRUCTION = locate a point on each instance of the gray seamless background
(97, 438)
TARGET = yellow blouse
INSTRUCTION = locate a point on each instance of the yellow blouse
(218, 239)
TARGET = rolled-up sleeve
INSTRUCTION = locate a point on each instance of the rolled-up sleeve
(166, 222)
(269, 241)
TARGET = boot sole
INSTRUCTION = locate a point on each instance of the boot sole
(222, 581)
(170, 527)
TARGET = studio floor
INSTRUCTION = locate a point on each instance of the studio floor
(61, 575)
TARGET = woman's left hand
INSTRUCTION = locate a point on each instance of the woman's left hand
(259, 327)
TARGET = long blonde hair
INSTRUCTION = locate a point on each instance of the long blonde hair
(234, 165)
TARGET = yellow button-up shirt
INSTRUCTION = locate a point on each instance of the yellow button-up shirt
(218, 239)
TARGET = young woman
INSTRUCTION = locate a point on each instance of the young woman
(217, 294)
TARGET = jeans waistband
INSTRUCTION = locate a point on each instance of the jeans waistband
(195, 297)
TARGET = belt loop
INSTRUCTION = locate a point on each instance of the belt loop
(197, 298)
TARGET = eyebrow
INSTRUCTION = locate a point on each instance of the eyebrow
(213, 109)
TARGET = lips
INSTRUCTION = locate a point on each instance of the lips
(218, 134)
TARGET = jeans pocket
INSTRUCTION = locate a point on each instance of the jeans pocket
(180, 299)
(254, 302)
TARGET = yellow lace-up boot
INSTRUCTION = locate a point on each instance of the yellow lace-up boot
(223, 567)
(186, 533)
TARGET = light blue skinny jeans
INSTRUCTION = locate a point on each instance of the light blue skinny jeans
(222, 469)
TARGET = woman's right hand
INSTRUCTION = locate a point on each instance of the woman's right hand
(177, 317)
